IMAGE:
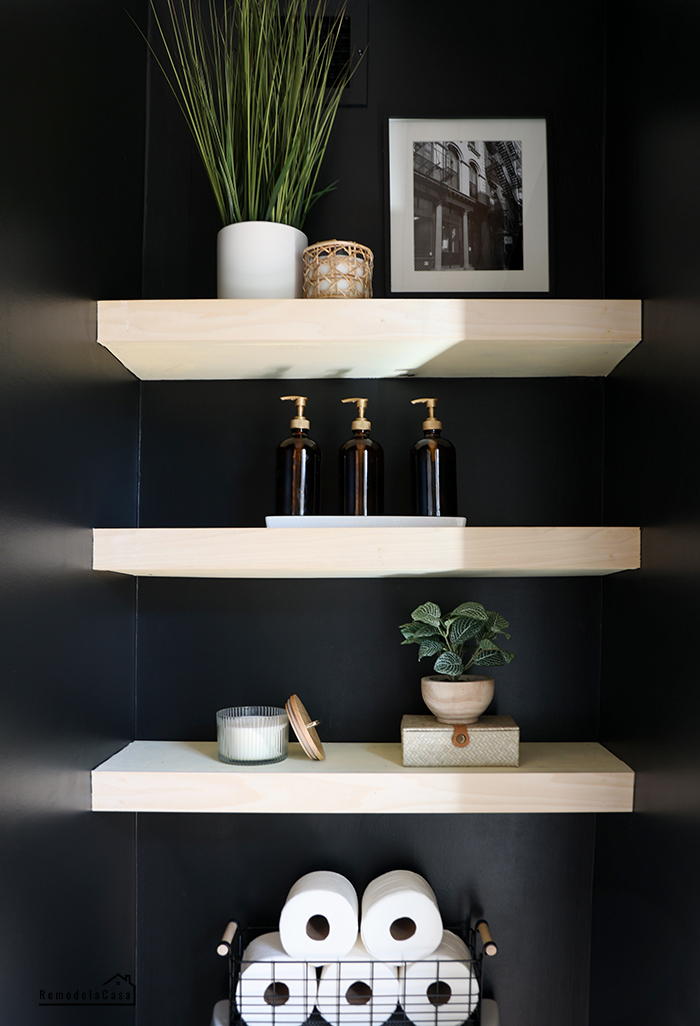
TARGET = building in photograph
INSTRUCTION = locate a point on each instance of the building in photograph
(467, 206)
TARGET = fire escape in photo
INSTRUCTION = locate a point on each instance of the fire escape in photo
(504, 174)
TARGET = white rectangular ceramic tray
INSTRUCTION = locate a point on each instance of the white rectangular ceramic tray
(351, 521)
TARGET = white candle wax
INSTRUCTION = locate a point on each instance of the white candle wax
(251, 739)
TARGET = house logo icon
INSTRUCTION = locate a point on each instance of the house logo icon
(117, 990)
(120, 989)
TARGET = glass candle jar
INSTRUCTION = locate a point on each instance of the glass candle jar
(252, 735)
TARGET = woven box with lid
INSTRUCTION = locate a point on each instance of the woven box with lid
(493, 741)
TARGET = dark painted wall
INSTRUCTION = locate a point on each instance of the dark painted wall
(530, 874)
(530, 453)
(647, 894)
(459, 59)
(71, 174)
(70, 443)
(208, 459)
(207, 644)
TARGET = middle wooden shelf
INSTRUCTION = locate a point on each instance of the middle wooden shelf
(366, 552)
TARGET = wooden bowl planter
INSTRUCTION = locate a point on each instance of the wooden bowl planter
(459, 701)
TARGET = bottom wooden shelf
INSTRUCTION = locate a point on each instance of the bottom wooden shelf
(186, 776)
(489, 1013)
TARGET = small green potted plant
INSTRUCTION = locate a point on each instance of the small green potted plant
(255, 82)
(463, 638)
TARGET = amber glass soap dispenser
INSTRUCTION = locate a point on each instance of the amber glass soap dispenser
(433, 469)
(298, 467)
(361, 469)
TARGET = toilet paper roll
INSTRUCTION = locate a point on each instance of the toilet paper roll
(442, 990)
(319, 919)
(273, 989)
(221, 1016)
(358, 991)
(401, 921)
(489, 1013)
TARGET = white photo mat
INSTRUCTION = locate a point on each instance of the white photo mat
(531, 133)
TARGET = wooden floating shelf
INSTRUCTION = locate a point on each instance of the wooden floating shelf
(186, 776)
(367, 552)
(164, 339)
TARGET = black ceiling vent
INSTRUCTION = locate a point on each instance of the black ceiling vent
(351, 46)
(343, 47)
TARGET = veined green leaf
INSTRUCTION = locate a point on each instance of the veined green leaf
(427, 630)
(449, 664)
(427, 613)
(490, 654)
(463, 639)
(409, 629)
(417, 632)
(474, 610)
(464, 628)
(488, 659)
(428, 647)
(496, 623)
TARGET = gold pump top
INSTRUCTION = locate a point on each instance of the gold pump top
(360, 423)
(431, 423)
(300, 420)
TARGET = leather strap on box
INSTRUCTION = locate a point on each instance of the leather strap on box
(460, 736)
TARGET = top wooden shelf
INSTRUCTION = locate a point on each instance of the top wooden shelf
(375, 338)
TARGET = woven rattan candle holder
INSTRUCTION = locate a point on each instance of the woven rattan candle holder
(338, 270)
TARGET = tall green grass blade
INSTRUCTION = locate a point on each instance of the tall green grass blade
(252, 84)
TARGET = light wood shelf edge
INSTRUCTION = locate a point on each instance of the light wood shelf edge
(366, 552)
(172, 776)
(214, 339)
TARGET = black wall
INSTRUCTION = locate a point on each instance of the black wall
(460, 58)
(530, 453)
(72, 175)
(208, 460)
(71, 194)
(646, 897)
(530, 874)
(207, 644)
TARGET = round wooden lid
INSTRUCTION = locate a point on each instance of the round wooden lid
(304, 728)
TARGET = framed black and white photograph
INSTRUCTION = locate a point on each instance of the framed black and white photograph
(468, 205)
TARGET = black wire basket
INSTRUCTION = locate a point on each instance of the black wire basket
(427, 992)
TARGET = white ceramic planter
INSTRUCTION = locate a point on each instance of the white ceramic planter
(260, 260)
(457, 701)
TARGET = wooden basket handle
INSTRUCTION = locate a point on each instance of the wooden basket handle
(223, 948)
(490, 946)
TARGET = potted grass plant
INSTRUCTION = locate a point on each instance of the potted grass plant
(463, 638)
(253, 81)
